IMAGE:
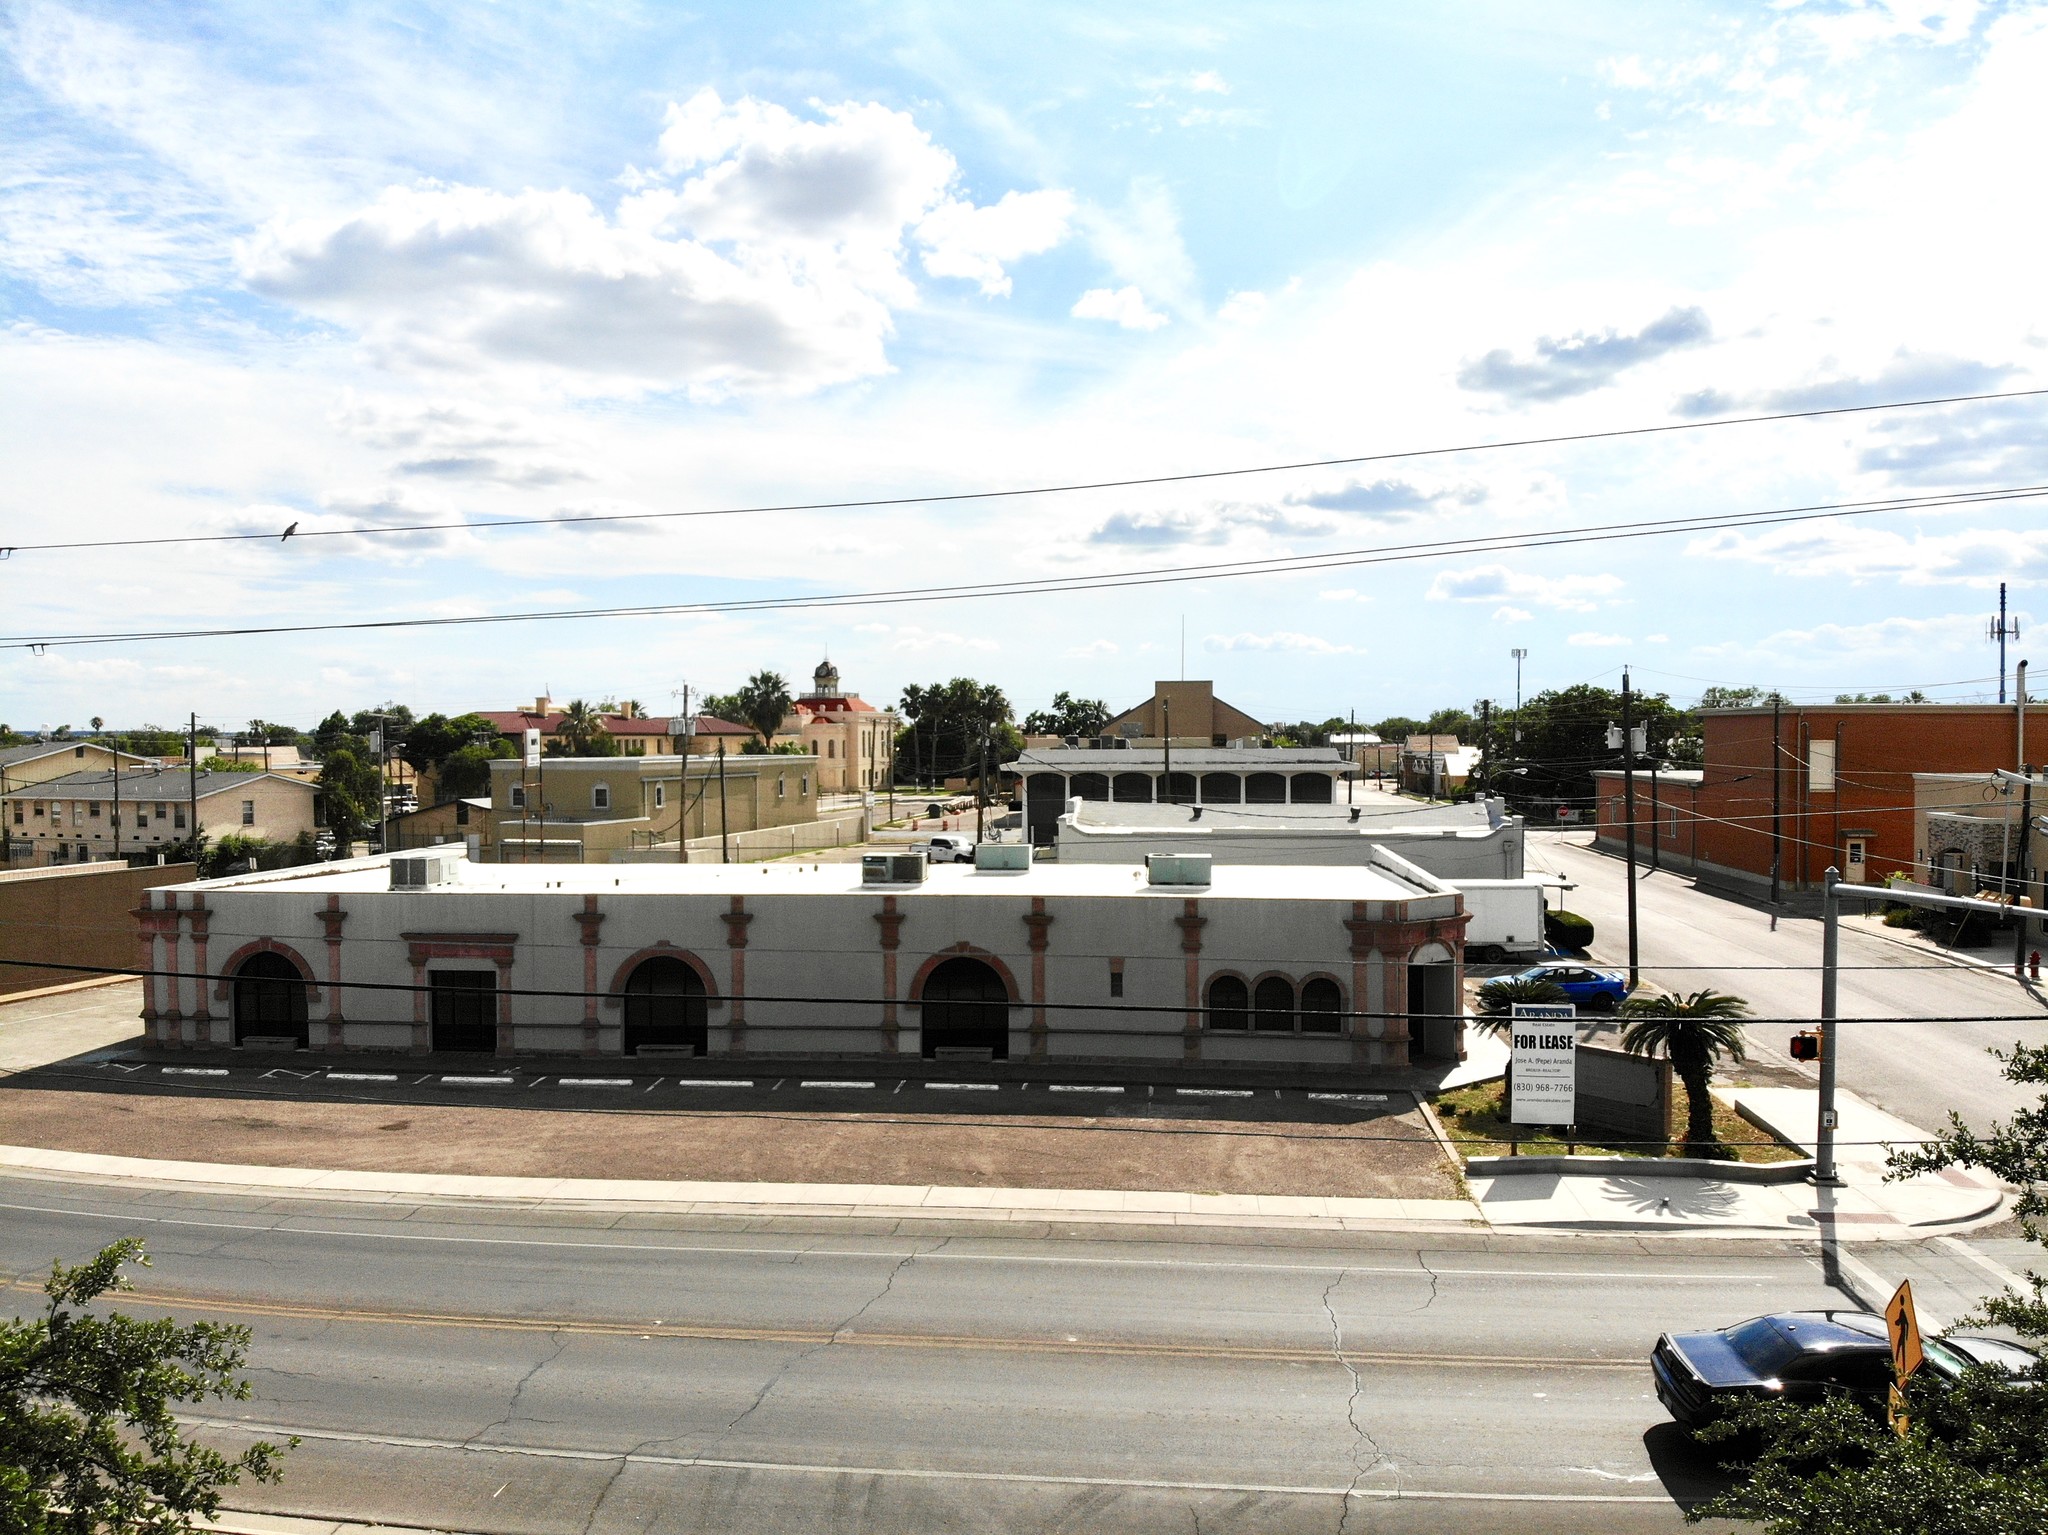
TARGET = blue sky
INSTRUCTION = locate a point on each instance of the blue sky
(350, 265)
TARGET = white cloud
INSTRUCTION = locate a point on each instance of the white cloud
(1657, 639)
(961, 240)
(1491, 583)
(1588, 637)
(1210, 81)
(1093, 649)
(915, 638)
(777, 265)
(1247, 306)
(1283, 640)
(1344, 594)
(1980, 557)
(1120, 306)
(1511, 615)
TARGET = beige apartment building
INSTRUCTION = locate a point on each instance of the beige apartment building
(22, 768)
(587, 809)
(85, 817)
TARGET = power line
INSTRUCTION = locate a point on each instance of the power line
(940, 497)
(1049, 585)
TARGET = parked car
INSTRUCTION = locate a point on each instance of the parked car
(1585, 985)
(950, 847)
(1799, 1356)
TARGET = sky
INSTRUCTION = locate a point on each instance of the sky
(349, 265)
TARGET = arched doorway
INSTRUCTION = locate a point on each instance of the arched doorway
(1132, 788)
(1309, 789)
(270, 1001)
(666, 1008)
(1089, 786)
(1222, 788)
(966, 1007)
(1265, 789)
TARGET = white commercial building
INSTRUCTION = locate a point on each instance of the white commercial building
(1180, 963)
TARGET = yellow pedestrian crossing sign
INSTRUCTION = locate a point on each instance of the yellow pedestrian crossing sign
(1903, 1327)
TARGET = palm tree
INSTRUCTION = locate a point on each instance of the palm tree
(1497, 999)
(581, 725)
(764, 703)
(1692, 1032)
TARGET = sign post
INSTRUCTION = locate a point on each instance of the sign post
(1543, 1050)
(1902, 1323)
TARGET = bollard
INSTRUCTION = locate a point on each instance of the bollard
(2034, 966)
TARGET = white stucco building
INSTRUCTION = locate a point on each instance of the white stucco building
(1047, 961)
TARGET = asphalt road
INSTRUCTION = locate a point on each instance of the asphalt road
(504, 1370)
(1689, 938)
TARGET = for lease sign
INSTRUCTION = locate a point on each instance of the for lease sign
(1544, 1042)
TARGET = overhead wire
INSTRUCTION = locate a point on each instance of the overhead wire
(1065, 488)
(1107, 580)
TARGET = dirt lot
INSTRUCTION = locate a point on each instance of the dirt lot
(1360, 1150)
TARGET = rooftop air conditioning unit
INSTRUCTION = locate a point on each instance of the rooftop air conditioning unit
(1177, 868)
(892, 868)
(1002, 855)
(427, 868)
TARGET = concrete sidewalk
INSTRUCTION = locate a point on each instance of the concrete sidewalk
(1865, 1207)
(890, 1201)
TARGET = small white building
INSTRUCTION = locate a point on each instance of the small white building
(1474, 840)
(1180, 962)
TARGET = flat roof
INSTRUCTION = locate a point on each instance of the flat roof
(1377, 815)
(787, 877)
(1136, 759)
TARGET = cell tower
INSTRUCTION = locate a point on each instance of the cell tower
(2002, 629)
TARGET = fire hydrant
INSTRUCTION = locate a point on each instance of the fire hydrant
(2034, 966)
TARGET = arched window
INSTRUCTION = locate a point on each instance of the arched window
(1309, 789)
(1229, 1003)
(965, 1006)
(1132, 788)
(1222, 788)
(1089, 786)
(1178, 787)
(1273, 1005)
(1321, 1003)
(601, 796)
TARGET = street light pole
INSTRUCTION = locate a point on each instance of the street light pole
(1830, 953)
(1520, 656)
(1628, 779)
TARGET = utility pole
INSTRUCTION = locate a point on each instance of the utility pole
(981, 784)
(1486, 744)
(117, 796)
(1777, 802)
(192, 784)
(1628, 780)
(1830, 957)
(1656, 822)
(2019, 914)
(1520, 656)
(724, 841)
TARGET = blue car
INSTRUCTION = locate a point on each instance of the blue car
(1595, 990)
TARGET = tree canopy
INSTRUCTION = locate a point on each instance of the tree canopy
(1068, 716)
(89, 1431)
(763, 702)
(949, 722)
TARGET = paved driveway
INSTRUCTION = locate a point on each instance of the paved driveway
(1919, 1071)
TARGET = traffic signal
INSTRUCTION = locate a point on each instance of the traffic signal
(1806, 1046)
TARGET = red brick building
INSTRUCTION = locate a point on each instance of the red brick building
(1836, 781)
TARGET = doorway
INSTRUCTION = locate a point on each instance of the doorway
(465, 1009)
(270, 1001)
(666, 1009)
(966, 1009)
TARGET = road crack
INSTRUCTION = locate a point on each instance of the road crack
(1424, 1262)
(839, 1331)
(1366, 1454)
(512, 1403)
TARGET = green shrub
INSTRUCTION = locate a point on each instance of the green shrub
(1567, 930)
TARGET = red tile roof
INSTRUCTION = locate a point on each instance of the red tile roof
(512, 722)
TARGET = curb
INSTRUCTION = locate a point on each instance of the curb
(1699, 1168)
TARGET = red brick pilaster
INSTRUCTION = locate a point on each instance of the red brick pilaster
(331, 919)
(1039, 921)
(736, 922)
(588, 921)
(1191, 922)
(890, 921)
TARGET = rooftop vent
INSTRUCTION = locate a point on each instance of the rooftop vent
(426, 868)
(1177, 868)
(892, 868)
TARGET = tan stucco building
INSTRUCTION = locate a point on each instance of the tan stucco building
(89, 816)
(587, 809)
(851, 738)
(22, 768)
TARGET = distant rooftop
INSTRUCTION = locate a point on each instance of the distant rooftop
(1136, 759)
(1377, 814)
(165, 783)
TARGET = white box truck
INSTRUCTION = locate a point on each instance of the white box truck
(1507, 919)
